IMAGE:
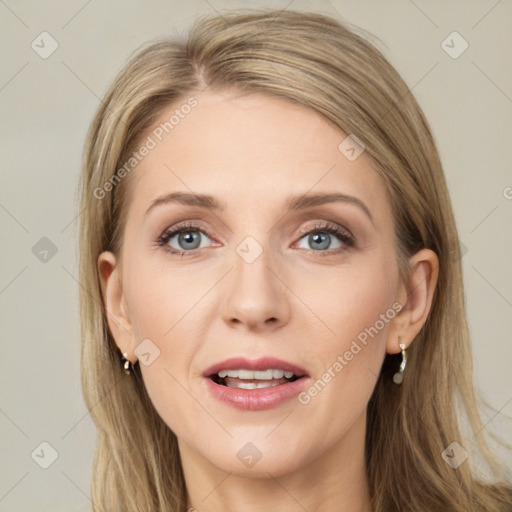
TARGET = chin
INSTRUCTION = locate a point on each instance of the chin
(274, 465)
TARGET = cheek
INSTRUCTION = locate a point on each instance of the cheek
(164, 338)
(356, 306)
(157, 298)
(354, 302)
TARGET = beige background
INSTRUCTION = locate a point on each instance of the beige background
(46, 106)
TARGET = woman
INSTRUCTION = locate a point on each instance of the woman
(273, 311)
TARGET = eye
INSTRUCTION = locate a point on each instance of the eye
(188, 237)
(320, 238)
(184, 238)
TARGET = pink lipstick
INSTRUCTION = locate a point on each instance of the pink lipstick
(255, 384)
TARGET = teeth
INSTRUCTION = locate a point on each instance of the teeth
(264, 375)
(259, 375)
(244, 374)
(252, 385)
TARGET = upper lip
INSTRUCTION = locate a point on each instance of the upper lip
(262, 363)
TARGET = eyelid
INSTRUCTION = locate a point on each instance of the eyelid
(320, 225)
(342, 234)
(184, 226)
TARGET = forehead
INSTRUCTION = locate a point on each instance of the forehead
(246, 150)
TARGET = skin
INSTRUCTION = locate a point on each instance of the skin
(251, 153)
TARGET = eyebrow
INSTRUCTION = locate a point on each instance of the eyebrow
(292, 203)
(187, 198)
(308, 200)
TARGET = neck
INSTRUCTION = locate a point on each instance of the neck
(335, 481)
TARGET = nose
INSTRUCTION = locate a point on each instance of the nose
(256, 296)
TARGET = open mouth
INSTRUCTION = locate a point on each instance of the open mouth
(253, 379)
(255, 384)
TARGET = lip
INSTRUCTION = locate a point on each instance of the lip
(256, 399)
(263, 363)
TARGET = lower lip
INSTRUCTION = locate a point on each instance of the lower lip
(256, 399)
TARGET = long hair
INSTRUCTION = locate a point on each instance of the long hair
(318, 62)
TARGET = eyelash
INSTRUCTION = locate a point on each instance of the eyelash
(328, 228)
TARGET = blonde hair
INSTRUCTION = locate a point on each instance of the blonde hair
(317, 62)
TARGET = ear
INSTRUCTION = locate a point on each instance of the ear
(416, 296)
(118, 317)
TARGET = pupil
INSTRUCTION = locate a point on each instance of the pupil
(189, 238)
(318, 238)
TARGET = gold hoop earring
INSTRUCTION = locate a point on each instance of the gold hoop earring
(399, 375)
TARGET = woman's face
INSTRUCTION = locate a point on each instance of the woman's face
(258, 280)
